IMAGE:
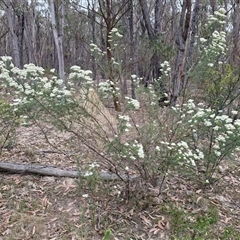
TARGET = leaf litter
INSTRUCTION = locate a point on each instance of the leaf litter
(45, 207)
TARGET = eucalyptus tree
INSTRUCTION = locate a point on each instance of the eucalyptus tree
(15, 11)
(57, 20)
(236, 32)
(184, 39)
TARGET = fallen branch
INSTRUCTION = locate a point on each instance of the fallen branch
(53, 171)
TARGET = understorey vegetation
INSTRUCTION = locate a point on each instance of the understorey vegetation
(194, 138)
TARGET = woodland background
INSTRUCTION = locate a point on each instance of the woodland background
(57, 34)
(171, 71)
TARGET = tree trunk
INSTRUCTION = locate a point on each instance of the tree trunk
(153, 34)
(192, 36)
(92, 16)
(14, 37)
(58, 36)
(182, 40)
(30, 33)
(132, 48)
(110, 23)
(56, 172)
(236, 33)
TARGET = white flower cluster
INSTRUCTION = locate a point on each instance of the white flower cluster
(133, 103)
(140, 150)
(218, 16)
(91, 170)
(95, 49)
(81, 76)
(216, 129)
(165, 67)
(29, 83)
(153, 96)
(208, 136)
(124, 122)
(6, 58)
(124, 118)
(135, 80)
(93, 165)
(132, 150)
(114, 35)
(217, 45)
(107, 89)
(183, 152)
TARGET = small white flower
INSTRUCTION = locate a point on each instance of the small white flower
(85, 195)
(6, 58)
(67, 92)
(221, 138)
(229, 126)
(93, 165)
(183, 144)
(87, 174)
(157, 148)
(217, 153)
(124, 117)
(207, 123)
(202, 40)
(132, 158)
(140, 151)
(237, 122)
(193, 162)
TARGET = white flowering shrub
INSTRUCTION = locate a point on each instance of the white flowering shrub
(216, 80)
(8, 123)
(80, 77)
(191, 140)
(200, 140)
(212, 50)
(111, 64)
(34, 96)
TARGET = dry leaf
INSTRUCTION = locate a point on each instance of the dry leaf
(161, 225)
(33, 230)
(146, 221)
(52, 220)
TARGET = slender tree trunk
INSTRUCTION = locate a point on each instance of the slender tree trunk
(108, 18)
(182, 40)
(153, 34)
(30, 33)
(92, 16)
(58, 36)
(20, 29)
(192, 37)
(132, 48)
(12, 30)
(236, 33)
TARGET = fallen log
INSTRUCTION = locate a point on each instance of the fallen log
(36, 169)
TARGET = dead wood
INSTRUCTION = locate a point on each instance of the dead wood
(36, 169)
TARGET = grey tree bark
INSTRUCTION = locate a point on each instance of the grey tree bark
(13, 34)
(182, 42)
(236, 33)
(153, 34)
(58, 35)
(30, 32)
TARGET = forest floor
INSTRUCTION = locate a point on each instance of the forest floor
(46, 207)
